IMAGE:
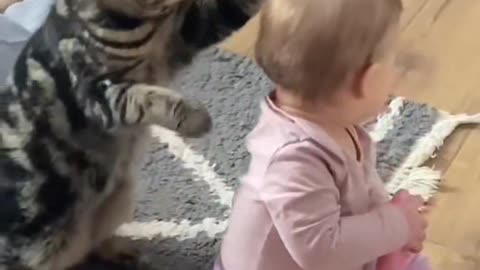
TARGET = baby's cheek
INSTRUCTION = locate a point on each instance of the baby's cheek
(395, 81)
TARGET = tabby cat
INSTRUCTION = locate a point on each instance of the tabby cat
(84, 90)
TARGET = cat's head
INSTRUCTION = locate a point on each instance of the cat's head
(141, 9)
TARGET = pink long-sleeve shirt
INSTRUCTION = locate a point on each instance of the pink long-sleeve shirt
(306, 205)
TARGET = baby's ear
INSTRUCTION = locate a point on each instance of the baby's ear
(367, 80)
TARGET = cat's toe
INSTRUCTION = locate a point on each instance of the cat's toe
(196, 122)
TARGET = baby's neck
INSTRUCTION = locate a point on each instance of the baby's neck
(328, 116)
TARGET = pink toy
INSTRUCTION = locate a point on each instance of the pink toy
(399, 260)
(402, 260)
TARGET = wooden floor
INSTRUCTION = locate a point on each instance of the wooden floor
(441, 40)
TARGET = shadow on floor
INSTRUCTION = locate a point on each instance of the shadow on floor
(163, 254)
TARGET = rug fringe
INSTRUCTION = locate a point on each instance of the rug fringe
(427, 146)
(424, 181)
(385, 122)
(465, 118)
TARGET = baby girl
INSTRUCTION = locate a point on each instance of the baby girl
(312, 199)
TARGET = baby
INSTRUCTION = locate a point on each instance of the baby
(312, 199)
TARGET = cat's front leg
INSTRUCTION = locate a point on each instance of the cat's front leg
(131, 104)
(169, 109)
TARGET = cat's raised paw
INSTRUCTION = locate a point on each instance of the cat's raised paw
(194, 120)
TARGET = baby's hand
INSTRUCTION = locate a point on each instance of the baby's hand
(411, 207)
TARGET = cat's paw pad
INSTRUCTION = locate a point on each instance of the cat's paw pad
(194, 119)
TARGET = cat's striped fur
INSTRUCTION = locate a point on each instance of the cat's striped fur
(85, 88)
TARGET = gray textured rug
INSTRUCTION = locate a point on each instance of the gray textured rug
(186, 187)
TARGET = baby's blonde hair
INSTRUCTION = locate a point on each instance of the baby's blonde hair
(309, 46)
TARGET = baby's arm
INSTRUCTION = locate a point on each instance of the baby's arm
(303, 200)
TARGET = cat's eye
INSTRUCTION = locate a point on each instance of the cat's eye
(104, 85)
(166, 10)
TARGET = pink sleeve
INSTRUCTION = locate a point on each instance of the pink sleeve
(303, 200)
